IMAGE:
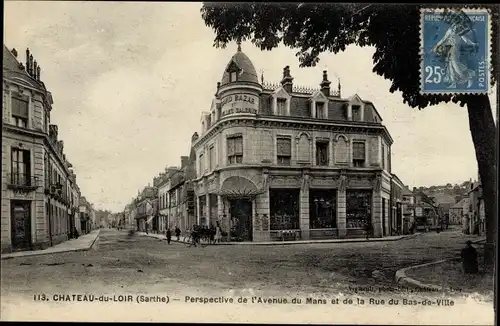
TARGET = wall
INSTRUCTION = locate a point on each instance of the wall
(260, 144)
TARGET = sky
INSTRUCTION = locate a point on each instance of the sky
(130, 80)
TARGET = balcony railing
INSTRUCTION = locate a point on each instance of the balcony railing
(22, 181)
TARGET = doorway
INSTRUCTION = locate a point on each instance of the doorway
(20, 212)
(241, 216)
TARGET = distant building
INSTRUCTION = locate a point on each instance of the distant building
(476, 217)
(146, 202)
(456, 213)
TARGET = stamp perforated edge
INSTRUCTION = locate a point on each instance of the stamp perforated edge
(489, 48)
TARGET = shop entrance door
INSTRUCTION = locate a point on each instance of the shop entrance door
(241, 215)
(20, 224)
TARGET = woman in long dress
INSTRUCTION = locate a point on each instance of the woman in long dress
(218, 233)
(456, 72)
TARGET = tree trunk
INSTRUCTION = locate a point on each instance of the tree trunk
(483, 131)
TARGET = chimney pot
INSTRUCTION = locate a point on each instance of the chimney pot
(27, 60)
(35, 70)
(14, 52)
(31, 65)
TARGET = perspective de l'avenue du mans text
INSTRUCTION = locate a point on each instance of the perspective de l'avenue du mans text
(278, 162)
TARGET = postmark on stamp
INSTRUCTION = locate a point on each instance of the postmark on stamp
(455, 51)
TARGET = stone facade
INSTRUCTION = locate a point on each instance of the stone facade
(262, 142)
(39, 190)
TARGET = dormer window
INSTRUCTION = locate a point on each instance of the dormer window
(320, 110)
(356, 112)
(233, 76)
(281, 106)
(281, 102)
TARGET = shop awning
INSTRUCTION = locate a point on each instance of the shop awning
(238, 187)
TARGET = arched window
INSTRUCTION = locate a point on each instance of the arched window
(304, 148)
(342, 150)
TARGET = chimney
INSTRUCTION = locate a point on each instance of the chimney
(184, 161)
(325, 84)
(38, 73)
(218, 87)
(31, 65)
(287, 80)
(14, 52)
(28, 60)
(194, 137)
(35, 70)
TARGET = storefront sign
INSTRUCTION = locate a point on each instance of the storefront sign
(239, 103)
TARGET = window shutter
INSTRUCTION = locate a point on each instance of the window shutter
(238, 145)
(284, 147)
(230, 146)
(20, 106)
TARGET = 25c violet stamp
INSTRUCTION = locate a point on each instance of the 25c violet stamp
(455, 51)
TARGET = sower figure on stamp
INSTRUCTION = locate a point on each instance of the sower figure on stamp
(469, 259)
(449, 47)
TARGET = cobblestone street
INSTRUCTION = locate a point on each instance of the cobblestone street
(152, 265)
(141, 264)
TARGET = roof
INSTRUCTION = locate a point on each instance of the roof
(14, 70)
(245, 66)
(459, 204)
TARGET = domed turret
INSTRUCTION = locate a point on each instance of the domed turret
(239, 90)
(239, 69)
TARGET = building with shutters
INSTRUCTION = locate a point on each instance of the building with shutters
(40, 194)
(282, 162)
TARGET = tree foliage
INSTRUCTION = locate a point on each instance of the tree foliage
(313, 29)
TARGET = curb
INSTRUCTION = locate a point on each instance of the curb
(284, 243)
(43, 252)
(401, 278)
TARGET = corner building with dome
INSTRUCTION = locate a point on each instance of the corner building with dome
(281, 162)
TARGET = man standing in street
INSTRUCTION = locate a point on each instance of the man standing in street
(169, 235)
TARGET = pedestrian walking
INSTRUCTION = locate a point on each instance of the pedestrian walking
(368, 230)
(169, 235)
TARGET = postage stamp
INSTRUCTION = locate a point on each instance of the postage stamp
(455, 51)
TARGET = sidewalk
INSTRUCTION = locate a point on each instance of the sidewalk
(279, 243)
(83, 243)
(444, 274)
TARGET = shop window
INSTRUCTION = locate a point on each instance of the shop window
(322, 153)
(235, 149)
(284, 150)
(358, 208)
(322, 209)
(284, 209)
(358, 154)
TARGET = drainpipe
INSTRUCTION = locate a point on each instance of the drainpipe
(50, 223)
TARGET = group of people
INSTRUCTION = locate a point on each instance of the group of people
(213, 233)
